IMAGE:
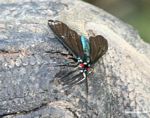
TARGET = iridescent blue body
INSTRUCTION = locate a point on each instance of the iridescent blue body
(86, 49)
(84, 63)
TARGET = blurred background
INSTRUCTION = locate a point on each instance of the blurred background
(134, 12)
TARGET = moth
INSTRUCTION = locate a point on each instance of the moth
(85, 51)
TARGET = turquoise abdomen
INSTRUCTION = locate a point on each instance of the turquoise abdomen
(86, 48)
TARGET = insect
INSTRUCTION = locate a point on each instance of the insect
(86, 52)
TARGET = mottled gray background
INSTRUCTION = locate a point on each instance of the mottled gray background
(29, 55)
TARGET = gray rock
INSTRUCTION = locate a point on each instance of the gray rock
(29, 54)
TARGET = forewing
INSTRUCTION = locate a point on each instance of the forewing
(98, 47)
(69, 38)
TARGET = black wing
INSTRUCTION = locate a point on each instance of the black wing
(69, 38)
(70, 78)
(98, 47)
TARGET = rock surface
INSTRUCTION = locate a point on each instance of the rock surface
(29, 54)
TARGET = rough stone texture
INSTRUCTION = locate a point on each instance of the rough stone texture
(29, 54)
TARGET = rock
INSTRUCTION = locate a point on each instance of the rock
(29, 55)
